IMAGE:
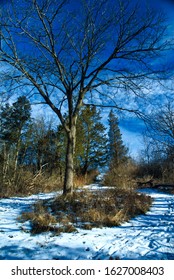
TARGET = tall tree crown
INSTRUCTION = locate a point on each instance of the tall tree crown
(66, 54)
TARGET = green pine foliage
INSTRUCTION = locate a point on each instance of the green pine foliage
(91, 141)
(91, 150)
(118, 152)
(121, 167)
(14, 120)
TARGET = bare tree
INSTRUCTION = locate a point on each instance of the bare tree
(161, 124)
(75, 52)
(158, 151)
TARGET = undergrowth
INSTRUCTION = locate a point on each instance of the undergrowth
(26, 183)
(86, 209)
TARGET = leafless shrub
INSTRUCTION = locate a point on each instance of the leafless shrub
(122, 176)
(27, 183)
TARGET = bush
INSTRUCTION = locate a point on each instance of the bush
(81, 179)
(121, 176)
(26, 183)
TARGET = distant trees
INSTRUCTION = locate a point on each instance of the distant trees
(14, 120)
(157, 158)
(161, 126)
(44, 144)
(29, 146)
(68, 58)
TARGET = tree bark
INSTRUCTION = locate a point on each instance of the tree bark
(69, 169)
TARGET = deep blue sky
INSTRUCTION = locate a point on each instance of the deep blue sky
(132, 127)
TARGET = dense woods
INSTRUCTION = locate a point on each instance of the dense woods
(32, 148)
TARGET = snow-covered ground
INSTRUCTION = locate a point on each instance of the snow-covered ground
(146, 237)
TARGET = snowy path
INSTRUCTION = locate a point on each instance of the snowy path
(149, 236)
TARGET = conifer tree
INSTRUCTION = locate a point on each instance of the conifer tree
(15, 120)
(117, 150)
(91, 145)
(91, 141)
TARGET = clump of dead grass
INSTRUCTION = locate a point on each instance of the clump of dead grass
(87, 209)
(41, 220)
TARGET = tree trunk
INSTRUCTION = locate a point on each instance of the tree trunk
(69, 169)
(16, 157)
(6, 162)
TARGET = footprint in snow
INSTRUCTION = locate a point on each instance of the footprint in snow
(153, 244)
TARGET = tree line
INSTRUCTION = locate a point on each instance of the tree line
(35, 145)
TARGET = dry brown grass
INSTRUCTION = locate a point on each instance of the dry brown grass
(43, 221)
(122, 176)
(40, 219)
(26, 183)
(81, 180)
(87, 209)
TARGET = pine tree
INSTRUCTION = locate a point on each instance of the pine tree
(15, 120)
(118, 153)
(91, 141)
(91, 145)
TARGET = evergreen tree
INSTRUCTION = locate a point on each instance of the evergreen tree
(117, 150)
(91, 150)
(91, 145)
(15, 120)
